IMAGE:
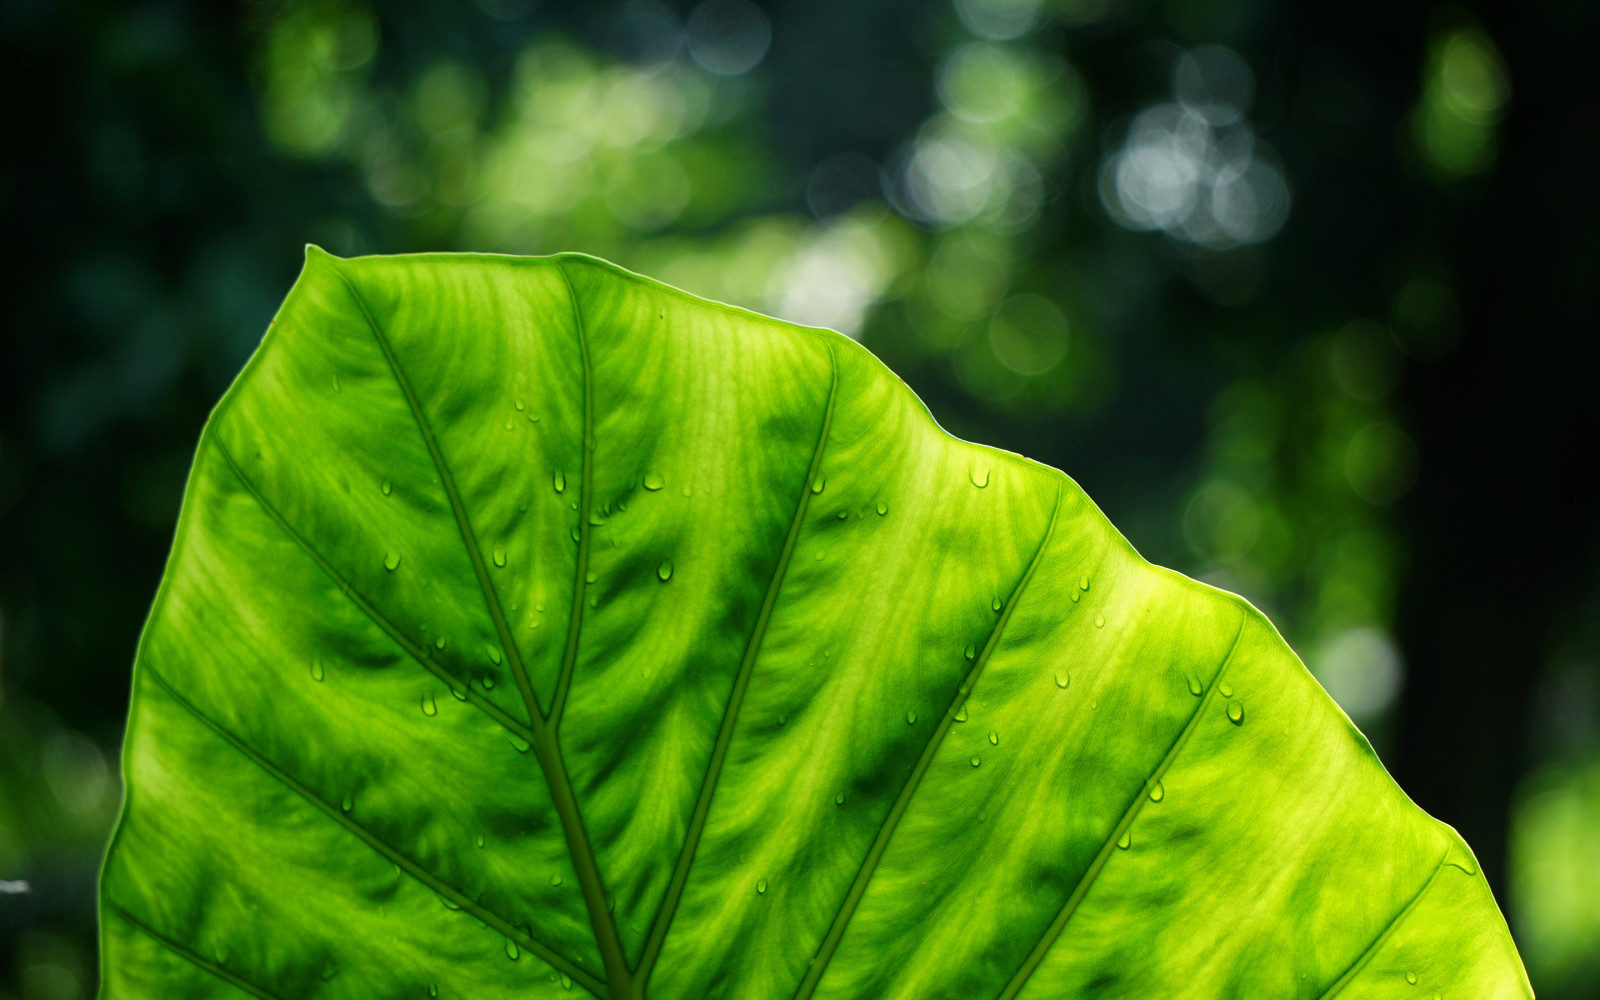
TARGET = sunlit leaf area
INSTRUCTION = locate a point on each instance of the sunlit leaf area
(1301, 295)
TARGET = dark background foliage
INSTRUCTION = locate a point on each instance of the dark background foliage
(1303, 294)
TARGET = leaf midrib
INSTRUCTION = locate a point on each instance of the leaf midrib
(546, 749)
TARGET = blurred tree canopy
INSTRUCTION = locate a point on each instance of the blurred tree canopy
(1303, 295)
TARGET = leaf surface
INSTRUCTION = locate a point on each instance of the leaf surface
(534, 627)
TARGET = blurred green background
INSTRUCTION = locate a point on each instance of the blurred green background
(1303, 294)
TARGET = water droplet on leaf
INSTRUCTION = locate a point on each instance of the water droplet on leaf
(1063, 680)
(654, 480)
(316, 670)
(911, 718)
(512, 951)
(838, 799)
(1194, 687)
(1235, 713)
(1157, 793)
(1411, 977)
(347, 803)
(976, 760)
(555, 879)
(883, 508)
(391, 560)
(971, 651)
(819, 483)
(1099, 621)
(500, 557)
(980, 479)
(559, 481)
(1127, 840)
(761, 885)
(387, 487)
(1083, 583)
(1226, 689)
(994, 738)
(961, 713)
(429, 707)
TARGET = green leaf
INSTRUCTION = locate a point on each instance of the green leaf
(532, 626)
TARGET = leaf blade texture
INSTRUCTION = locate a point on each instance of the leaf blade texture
(534, 627)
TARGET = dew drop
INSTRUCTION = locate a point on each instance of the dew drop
(347, 803)
(555, 879)
(520, 745)
(1063, 680)
(500, 557)
(654, 480)
(971, 651)
(1235, 713)
(494, 657)
(1411, 977)
(1127, 840)
(961, 713)
(391, 560)
(480, 841)
(566, 981)
(459, 695)
(761, 885)
(449, 903)
(591, 576)
(994, 738)
(429, 707)
(433, 990)
(996, 604)
(512, 951)
(979, 479)
(976, 760)
(316, 670)
(222, 953)
(594, 600)
(1226, 689)
(1099, 621)
(576, 536)
(1194, 687)
(337, 385)
(439, 642)
(387, 487)
(883, 508)
(508, 423)
(1083, 583)
(687, 490)
(843, 514)
(664, 571)
(559, 481)
(838, 799)
(819, 483)
(911, 717)
(1157, 793)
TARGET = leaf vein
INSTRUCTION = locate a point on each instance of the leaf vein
(880, 844)
(1048, 939)
(355, 597)
(569, 655)
(378, 844)
(1399, 918)
(680, 874)
(190, 955)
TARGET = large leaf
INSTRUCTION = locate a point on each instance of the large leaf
(531, 625)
